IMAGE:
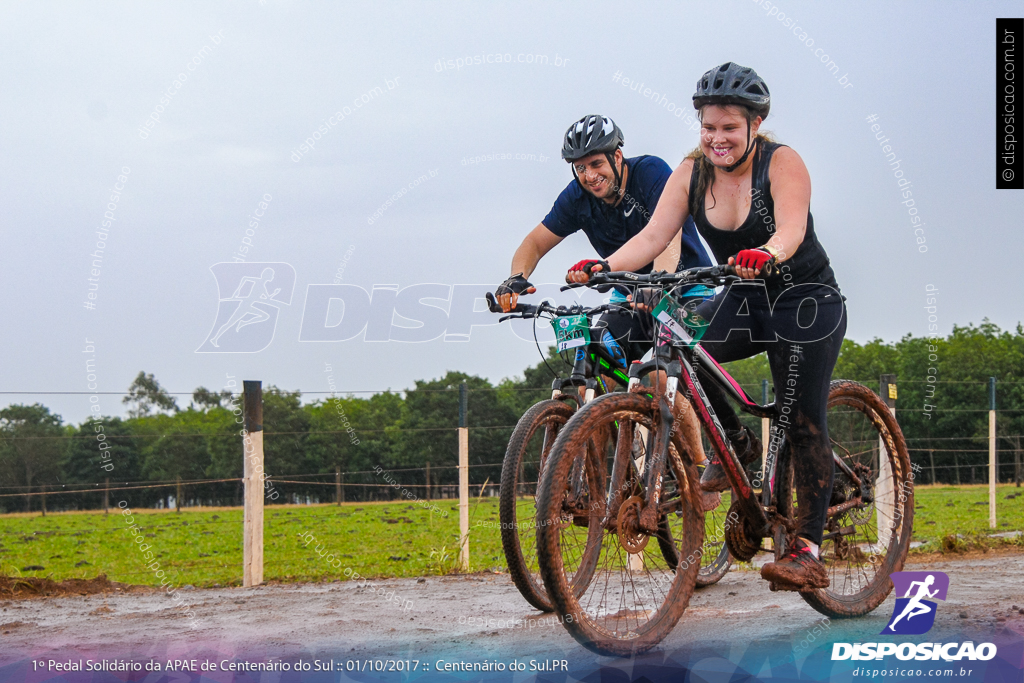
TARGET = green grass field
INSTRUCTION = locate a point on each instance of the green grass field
(204, 547)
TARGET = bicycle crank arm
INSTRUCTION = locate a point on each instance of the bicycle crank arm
(845, 531)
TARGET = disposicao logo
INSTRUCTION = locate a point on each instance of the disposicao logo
(249, 300)
(913, 613)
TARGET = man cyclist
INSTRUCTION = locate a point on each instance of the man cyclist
(611, 199)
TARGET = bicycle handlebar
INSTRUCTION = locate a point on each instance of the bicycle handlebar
(531, 311)
(711, 275)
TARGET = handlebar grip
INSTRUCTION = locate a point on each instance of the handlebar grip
(495, 307)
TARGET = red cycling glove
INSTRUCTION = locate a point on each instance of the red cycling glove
(754, 258)
(587, 264)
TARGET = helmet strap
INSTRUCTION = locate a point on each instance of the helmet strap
(750, 147)
(572, 164)
(618, 176)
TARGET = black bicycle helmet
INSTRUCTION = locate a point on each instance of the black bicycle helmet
(731, 83)
(592, 133)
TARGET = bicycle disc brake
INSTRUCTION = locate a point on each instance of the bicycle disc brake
(865, 513)
(630, 536)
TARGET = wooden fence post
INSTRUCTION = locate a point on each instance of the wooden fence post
(428, 480)
(106, 496)
(337, 484)
(993, 458)
(42, 499)
(252, 451)
(177, 495)
(765, 435)
(884, 505)
(463, 480)
(1016, 461)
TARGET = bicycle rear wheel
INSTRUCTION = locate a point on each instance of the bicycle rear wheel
(715, 558)
(865, 543)
(637, 594)
(527, 452)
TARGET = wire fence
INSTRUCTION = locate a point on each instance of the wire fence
(48, 471)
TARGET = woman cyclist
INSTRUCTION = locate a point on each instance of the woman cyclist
(750, 199)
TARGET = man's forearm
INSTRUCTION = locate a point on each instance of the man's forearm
(525, 259)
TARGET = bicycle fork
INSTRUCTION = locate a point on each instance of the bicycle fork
(650, 465)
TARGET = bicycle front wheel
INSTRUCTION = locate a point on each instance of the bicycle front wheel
(527, 452)
(638, 591)
(864, 542)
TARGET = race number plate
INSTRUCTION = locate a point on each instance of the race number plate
(571, 331)
(683, 324)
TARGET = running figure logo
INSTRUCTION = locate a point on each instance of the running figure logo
(913, 613)
(250, 296)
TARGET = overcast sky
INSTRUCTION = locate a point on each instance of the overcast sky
(79, 80)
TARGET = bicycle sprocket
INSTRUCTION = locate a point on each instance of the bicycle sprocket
(742, 547)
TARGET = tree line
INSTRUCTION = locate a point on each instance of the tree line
(161, 442)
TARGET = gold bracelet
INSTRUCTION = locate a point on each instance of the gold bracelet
(771, 250)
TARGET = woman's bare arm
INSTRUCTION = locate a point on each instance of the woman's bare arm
(791, 192)
(668, 219)
(669, 259)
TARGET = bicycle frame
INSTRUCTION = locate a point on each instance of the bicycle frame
(601, 363)
(761, 514)
(679, 360)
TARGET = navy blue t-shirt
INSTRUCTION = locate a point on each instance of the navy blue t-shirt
(609, 227)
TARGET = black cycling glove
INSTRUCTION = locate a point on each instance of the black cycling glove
(515, 284)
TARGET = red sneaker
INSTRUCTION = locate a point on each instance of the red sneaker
(799, 570)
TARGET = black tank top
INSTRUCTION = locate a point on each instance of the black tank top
(809, 264)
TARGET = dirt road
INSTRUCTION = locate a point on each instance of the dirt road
(478, 616)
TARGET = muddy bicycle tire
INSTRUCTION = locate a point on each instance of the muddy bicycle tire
(518, 538)
(861, 429)
(641, 573)
(716, 558)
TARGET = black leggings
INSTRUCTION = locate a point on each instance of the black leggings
(801, 371)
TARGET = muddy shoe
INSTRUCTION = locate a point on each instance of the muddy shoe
(748, 448)
(799, 570)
